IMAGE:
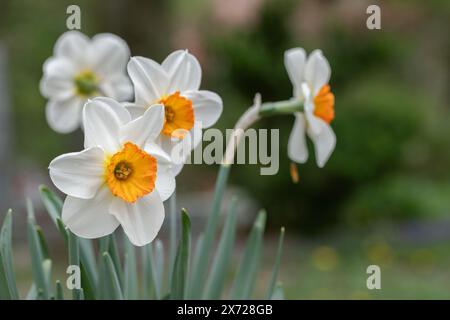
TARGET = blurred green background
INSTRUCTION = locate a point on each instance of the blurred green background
(384, 196)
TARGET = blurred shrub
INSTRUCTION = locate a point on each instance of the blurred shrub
(396, 199)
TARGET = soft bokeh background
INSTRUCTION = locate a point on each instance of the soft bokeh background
(384, 196)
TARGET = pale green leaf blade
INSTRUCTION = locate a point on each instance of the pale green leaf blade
(246, 274)
(59, 291)
(180, 270)
(130, 287)
(278, 292)
(37, 256)
(111, 278)
(8, 287)
(201, 267)
(276, 265)
(218, 273)
(74, 259)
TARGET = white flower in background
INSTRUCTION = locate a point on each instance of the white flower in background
(310, 78)
(175, 84)
(82, 68)
(120, 178)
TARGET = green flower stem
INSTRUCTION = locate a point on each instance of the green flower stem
(257, 111)
(280, 107)
(172, 234)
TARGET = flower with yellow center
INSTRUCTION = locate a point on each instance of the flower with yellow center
(121, 177)
(80, 69)
(309, 77)
(175, 84)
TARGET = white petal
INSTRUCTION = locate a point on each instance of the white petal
(109, 54)
(58, 88)
(294, 61)
(324, 142)
(118, 87)
(59, 67)
(90, 218)
(165, 179)
(79, 174)
(57, 81)
(72, 45)
(64, 116)
(196, 134)
(146, 127)
(317, 71)
(141, 220)
(135, 110)
(313, 122)
(207, 106)
(102, 118)
(177, 168)
(184, 71)
(297, 148)
(149, 79)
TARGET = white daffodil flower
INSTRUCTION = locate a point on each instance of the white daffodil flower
(121, 177)
(175, 84)
(310, 78)
(82, 68)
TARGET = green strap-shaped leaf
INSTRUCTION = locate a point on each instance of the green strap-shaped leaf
(103, 291)
(278, 292)
(8, 287)
(62, 229)
(218, 273)
(114, 253)
(276, 265)
(47, 267)
(43, 242)
(159, 266)
(148, 282)
(130, 287)
(201, 267)
(74, 259)
(246, 275)
(59, 291)
(111, 278)
(195, 258)
(89, 277)
(37, 256)
(53, 205)
(32, 293)
(180, 270)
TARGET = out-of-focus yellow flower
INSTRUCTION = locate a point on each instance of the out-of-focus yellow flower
(380, 254)
(325, 258)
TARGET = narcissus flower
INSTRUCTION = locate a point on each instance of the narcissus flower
(121, 177)
(175, 84)
(310, 78)
(82, 68)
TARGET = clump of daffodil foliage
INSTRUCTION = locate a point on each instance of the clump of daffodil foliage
(184, 271)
